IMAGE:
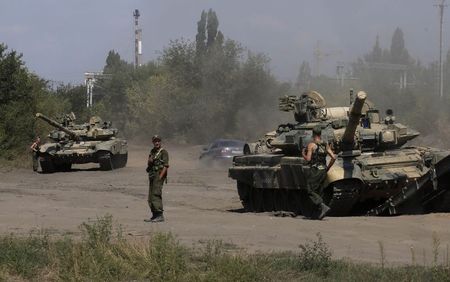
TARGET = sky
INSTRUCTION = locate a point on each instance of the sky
(60, 40)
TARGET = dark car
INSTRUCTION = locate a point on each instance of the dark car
(223, 149)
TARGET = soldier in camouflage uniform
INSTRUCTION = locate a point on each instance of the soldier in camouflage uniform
(158, 164)
(35, 152)
(316, 153)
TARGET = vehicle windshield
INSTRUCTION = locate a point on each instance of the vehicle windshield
(227, 143)
(230, 144)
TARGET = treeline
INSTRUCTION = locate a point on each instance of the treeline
(378, 73)
(196, 91)
(22, 94)
(211, 87)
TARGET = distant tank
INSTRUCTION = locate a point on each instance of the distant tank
(93, 142)
(375, 172)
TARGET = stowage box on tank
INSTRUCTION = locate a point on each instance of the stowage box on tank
(375, 172)
(71, 143)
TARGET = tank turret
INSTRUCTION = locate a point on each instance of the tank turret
(309, 111)
(306, 108)
(96, 129)
(59, 126)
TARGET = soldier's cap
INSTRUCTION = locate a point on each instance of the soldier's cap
(317, 130)
(155, 138)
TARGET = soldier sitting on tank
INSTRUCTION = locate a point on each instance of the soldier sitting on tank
(315, 153)
(390, 118)
(35, 151)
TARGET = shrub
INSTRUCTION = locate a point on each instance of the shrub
(315, 256)
(24, 256)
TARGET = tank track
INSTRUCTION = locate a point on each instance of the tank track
(341, 197)
(268, 200)
(46, 164)
(108, 161)
(441, 203)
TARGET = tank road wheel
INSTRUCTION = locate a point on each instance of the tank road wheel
(123, 159)
(118, 160)
(268, 199)
(257, 199)
(284, 199)
(341, 196)
(64, 167)
(295, 201)
(105, 160)
(278, 200)
(47, 164)
(244, 191)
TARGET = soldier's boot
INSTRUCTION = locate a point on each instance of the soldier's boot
(159, 217)
(324, 209)
(154, 215)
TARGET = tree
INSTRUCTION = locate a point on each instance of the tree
(200, 38)
(399, 54)
(212, 28)
(208, 36)
(376, 56)
(75, 96)
(304, 77)
(115, 64)
(110, 91)
(22, 94)
(16, 102)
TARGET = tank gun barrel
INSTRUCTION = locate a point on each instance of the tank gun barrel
(353, 122)
(53, 123)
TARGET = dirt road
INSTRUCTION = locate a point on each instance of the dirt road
(200, 204)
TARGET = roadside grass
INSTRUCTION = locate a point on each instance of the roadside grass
(103, 254)
(14, 160)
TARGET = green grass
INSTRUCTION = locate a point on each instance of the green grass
(14, 160)
(104, 255)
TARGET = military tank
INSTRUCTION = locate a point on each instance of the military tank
(376, 172)
(71, 143)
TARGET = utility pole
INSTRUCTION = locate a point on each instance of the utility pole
(319, 55)
(137, 40)
(90, 78)
(441, 7)
(340, 73)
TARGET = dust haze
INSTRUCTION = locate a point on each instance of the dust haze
(215, 69)
(200, 203)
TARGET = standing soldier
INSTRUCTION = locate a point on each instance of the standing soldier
(158, 164)
(35, 151)
(316, 154)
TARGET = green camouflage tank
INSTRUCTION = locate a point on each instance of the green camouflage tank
(71, 143)
(376, 172)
